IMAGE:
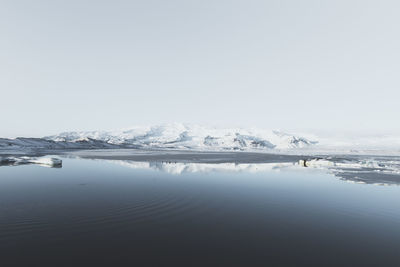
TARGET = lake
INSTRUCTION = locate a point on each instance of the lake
(125, 213)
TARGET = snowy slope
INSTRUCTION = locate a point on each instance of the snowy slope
(181, 136)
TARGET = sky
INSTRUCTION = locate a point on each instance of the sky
(292, 65)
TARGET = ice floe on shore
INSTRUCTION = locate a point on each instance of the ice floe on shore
(43, 161)
(368, 170)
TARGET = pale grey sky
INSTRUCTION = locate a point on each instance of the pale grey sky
(296, 65)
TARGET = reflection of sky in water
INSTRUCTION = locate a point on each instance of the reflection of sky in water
(276, 207)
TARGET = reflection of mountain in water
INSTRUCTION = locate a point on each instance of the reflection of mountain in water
(180, 167)
(379, 171)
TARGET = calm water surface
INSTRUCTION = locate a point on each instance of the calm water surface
(99, 213)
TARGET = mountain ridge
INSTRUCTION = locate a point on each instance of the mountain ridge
(182, 136)
(166, 136)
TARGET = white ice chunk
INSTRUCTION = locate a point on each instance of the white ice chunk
(47, 161)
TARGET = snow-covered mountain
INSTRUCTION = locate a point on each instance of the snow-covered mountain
(167, 136)
(199, 138)
(182, 136)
